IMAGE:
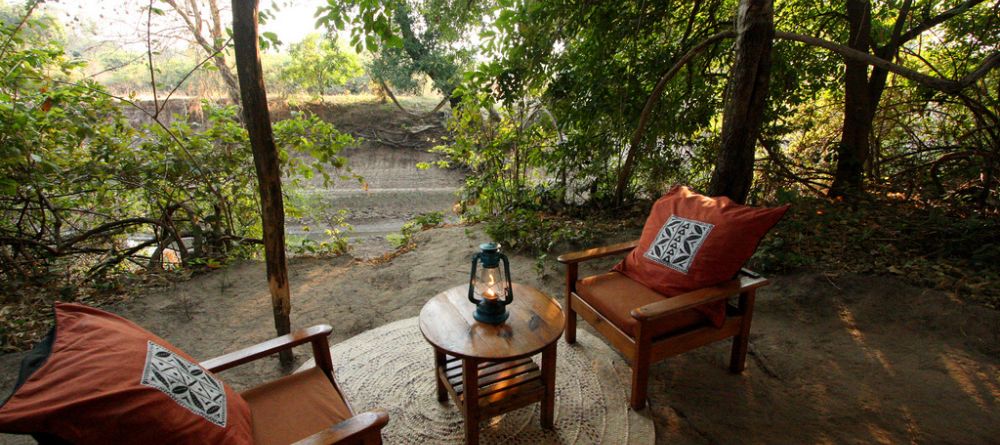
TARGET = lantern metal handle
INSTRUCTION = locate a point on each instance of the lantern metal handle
(472, 280)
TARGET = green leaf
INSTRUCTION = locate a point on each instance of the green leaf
(8, 186)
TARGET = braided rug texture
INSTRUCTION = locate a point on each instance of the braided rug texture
(391, 367)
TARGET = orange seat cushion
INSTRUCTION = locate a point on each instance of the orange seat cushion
(615, 295)
(294, 407)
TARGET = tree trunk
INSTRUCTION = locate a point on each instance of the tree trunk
(746, 98)
(265, 159)
(859, 110)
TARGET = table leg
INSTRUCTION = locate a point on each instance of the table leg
(549, 378)
(439, 367)
(470, 388)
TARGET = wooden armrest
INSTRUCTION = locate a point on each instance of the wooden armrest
(597, 252)
(747, 280)
(313, 334)
(363, 428)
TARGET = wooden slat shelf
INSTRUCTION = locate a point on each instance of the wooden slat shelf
(502, 385)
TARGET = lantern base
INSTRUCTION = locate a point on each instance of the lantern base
(490, 313)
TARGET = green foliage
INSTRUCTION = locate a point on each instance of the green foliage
(335, 243)
(410, 38)
(393, 66)
(368, 21)
(317, 65)
(84, 193)
(416, 224)
(535, 232)
(593, 66)
(506, 153)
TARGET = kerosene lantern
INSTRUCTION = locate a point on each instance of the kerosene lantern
(492, 285)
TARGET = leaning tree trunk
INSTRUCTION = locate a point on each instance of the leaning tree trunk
(746, 98)
(265, 159)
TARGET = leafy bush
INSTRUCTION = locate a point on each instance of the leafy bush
(536, 233)
(507, 153)
(83, 194)
(416, 224)
(318, 65)
(336, 242)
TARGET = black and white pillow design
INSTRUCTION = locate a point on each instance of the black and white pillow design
(678, 242)
(186, 383)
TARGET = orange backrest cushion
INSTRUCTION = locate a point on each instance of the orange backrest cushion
(691, 241)
(106, 380)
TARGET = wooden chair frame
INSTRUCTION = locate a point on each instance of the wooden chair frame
(361, 429)
(643, 350)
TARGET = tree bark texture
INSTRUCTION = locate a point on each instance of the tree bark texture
(265, 157)
(859, 110)
(746, 98)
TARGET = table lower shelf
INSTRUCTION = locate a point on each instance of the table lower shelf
(503, 386)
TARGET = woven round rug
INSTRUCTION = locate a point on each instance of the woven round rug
(392, 367)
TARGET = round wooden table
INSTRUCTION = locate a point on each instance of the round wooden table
(494, 359)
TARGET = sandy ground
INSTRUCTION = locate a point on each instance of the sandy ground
(834, 359)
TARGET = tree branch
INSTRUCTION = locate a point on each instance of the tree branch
(932, 22)
(149, 53)
(943, 85)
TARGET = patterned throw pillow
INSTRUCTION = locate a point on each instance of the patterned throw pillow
(99, 378)
(691, 241)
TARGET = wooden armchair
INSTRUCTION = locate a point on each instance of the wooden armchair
(646, 327)
(307, 407)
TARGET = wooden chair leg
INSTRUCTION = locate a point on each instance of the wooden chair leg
(640, 372)
(571, 275)
(741, 342)
(570, 325)
(738, 356)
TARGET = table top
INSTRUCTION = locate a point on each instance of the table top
(536, 321)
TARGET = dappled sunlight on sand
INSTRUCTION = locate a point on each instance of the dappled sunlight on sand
(880, 435)
(912, 429)
(852, 328)
(972, 380)
(824, 440)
